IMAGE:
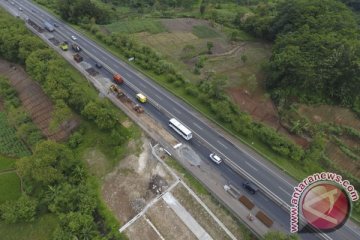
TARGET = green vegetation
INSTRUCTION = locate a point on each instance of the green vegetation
(80, 10)
(6, 163)
(136, 25)
(279, 236)
(26, 130)
(10, 144)
(54, 179)
(9, 187)
(312, 55)
(41, 229)
(21, 210)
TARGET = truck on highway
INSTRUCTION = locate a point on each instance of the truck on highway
(78, 58)
(49, 26)
(141, 98)
(76, 47)
(118, 78)
(64, 46)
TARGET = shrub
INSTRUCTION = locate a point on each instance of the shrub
(191, 91)
(22, 210)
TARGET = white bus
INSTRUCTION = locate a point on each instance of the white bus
(180, 129)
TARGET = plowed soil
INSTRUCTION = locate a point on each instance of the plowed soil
(37, 104)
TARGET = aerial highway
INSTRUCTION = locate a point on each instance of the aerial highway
(275, 186)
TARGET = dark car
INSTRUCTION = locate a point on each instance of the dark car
(98, 65)
(250, 187)
(55, 24)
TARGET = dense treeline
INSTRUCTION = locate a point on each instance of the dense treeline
(81, 11)
(54, 180)
(316, 51)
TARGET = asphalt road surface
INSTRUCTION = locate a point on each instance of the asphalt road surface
(276, 187)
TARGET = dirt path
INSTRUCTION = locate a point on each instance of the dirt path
(7, 171)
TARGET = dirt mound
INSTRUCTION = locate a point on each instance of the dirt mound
(35, 102)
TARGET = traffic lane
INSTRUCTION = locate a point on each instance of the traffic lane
(275, 212)
(259, 199)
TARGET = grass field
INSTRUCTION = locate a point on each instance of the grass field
(136, 25)
(9, 187)
(202, 31)
(97, 150)
(41, 229)
(10, 145)
(6, 163)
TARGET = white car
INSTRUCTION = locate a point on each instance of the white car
(215, 158)
(73, 38)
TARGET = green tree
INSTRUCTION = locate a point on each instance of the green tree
(244, 58)
(65, 198)
(21, 210)
(210, 46)
(203, 6)
(27, 44)
(50, 163)
(75, 225)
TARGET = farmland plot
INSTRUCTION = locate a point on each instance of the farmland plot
(10, 144)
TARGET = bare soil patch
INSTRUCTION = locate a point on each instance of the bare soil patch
(36, 102)
(183, 24)
(263, 110)
(141, 230)
(330, 114)
(96, 161)
(342, 161)
(126, 189)
(171, 226)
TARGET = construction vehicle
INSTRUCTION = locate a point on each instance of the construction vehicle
(138, 108)
(117, 91)
(78, 58)
(141, 98)
(64, 46)
(118, 78)
(76, 47)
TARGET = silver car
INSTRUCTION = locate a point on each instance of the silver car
(215, 158)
